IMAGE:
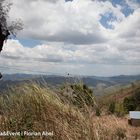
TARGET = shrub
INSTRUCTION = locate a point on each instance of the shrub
(111, 108)
(98, 112)
(119, 110)
(82, 95)
(132, 103)
(137, 99)
(129, 104)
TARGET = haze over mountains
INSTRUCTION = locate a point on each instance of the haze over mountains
(100, 84)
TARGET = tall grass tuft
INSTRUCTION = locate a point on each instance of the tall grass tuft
(33, 108)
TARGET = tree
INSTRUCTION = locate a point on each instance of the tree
(137, 96)
(133, 102)
(6, 28)
(111, 108)
(129, 104)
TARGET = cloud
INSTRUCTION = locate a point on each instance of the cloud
(74, 39)
(59, 54)
(134, 4)
(76, 22)
(129, 27)
(51, 58)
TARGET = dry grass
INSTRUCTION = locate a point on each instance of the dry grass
(110, 127)
(33, 108)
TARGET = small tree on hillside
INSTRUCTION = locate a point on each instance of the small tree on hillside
(129, 104)
(111, 108)
(137, 97)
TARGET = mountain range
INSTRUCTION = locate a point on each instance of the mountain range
(100, 84)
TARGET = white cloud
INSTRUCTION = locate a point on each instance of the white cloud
(129, 27)
(73, 22)
(60, 58)
(79, 42)
(134, 4)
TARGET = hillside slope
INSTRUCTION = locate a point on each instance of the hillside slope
(122, 92)
(31, 108)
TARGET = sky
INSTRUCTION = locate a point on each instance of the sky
(80, 37)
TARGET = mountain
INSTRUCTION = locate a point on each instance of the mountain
(101, 85)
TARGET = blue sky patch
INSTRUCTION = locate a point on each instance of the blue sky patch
(126, 9)
(29, 42)
(107, 17)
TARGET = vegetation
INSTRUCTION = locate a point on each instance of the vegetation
(116, 108)
(132, 103)
(11, 26)
(34, 108)
(119, 110)
(120, 133)
(7, 27)
(82, 95)
(98, 112)
(125, 100)
(111, 108)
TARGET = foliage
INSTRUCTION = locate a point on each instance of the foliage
(137, 98)
(6, 25)
(129, 104)
(98, 112)
(33, 108)
(116, 108)
(82, 95)
(119, 110)
(132, 103)
(111, 108)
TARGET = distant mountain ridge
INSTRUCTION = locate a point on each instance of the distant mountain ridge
(99, 83)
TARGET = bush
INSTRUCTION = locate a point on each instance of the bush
(137, 99)
(111, 108)
(98, 112)
(132, 103)
(119, 110)
(82, 95)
